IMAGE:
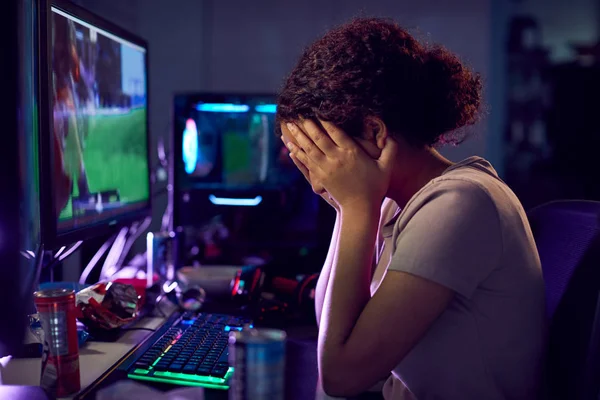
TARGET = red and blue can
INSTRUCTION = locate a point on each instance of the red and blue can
(60, 359)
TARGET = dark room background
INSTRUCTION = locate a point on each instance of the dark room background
(535, 56)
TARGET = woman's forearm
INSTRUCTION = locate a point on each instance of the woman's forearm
(348, 290)
(326, 271)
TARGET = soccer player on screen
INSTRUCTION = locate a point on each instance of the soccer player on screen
(66, 75)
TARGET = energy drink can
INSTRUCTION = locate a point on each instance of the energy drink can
(258, 359)
(60, 358)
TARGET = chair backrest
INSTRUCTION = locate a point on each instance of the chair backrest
(567, 236)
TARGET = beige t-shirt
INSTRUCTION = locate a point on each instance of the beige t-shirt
(466, 230)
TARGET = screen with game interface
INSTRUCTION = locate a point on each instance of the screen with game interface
(100, 143)
(232, 145)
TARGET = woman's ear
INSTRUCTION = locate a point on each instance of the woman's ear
(376, 131)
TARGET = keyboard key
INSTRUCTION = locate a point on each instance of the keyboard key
(175, 367)
(190, 369)
(142, 364)
(218, 372)
(202, 370)
(162, 366)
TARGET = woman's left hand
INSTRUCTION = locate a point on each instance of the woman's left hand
(346, 171)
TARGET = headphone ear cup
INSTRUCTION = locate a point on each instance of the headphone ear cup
(191, 299)
(304, 291)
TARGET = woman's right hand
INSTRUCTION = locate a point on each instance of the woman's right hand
(316, 187)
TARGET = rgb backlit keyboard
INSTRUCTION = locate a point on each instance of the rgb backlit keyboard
(189, 350)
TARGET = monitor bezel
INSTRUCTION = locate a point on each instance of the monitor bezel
(51, 236)
(176, 141)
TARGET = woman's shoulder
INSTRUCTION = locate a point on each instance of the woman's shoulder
(467, 196)
(472, 181)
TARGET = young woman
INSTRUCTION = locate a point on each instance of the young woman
(453, 305)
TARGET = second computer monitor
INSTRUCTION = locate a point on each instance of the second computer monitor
(227, 142)
(230, 164)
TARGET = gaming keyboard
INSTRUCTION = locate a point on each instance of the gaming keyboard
(188, 350)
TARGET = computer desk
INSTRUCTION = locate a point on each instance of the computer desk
(95, 358)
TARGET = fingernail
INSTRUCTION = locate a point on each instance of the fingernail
(290, 146)
(291, 127)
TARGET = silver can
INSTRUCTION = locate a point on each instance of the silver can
(258, 359)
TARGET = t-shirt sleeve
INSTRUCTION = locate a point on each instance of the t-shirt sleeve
(452, 237)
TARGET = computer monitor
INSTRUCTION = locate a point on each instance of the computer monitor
(227, 142)
(94, 131)
(228, 162)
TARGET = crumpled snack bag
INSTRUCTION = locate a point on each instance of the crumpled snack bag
(108, 305)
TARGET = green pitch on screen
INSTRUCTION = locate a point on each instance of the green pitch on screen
(115, 157)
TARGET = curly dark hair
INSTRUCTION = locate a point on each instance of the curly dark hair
(372, 67)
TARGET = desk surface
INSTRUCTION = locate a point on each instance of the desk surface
(94, 358)
(97, 357)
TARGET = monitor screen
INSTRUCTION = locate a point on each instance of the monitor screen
(231, 167)
(228, 142)
(99, 126)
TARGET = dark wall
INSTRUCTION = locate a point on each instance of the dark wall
(252, 45)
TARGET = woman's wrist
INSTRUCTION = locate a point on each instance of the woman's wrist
(360, 212)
